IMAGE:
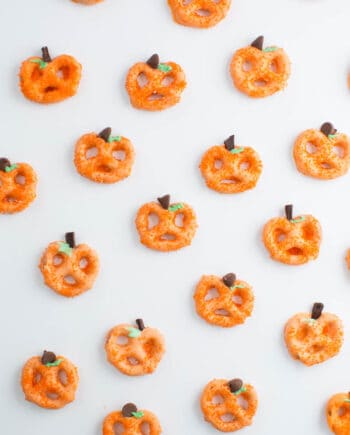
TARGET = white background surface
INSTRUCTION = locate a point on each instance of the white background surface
(134, 281)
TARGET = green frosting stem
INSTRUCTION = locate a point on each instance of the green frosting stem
(114, 139)
(55, 363)
(138, 414)
(175, 207)
(10, 168)
(270, 49)
(310, 321)
(332, 136)
(296, 221)
(237, 150)
(164, 67)
(133, 332)
(41, 63)
(65, 248)
(241, 390)
(237, 286)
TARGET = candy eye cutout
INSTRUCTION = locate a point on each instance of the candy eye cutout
(153, 220)
(57, 260)
(168, 80)
(119, 155)
(247, 66)
(145, 428)
(142, 80)
(83, 263)
(311, 148)
(20, 179)
(211, 294)
(118, 429)
(217, 400)
(244, 166)
(63, 377)
(338, 151)
(91, 153)
(179, 220)
(218, 164)
(242, 402)
(122, 340)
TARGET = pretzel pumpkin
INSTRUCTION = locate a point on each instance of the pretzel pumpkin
(17, 186)
(291, 240)
(174, 228)
(223, 301)
(260, 72)
(49, 381)
(131, 421)
(68, 269)
(134, 351)
(229, 405)
(155, 86)
(231, 169)
(314, 338)
(323, 154)
(338, 414)
(46, 80)
(199, 13)
(112, 161)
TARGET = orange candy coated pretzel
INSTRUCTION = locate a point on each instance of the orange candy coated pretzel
(229, 405)
(173, 228)
(67, 269)
(223, 301)
(199, 13)
(50, 385)
(314, 338)
(259, 72)
(46, 80)
(155, 86)
(87, 2)
(291, 240)
(323, 154)
(131, 421)
(134, 351)
(231, 169)
(338, 414)
(17, 186)
(112, 161)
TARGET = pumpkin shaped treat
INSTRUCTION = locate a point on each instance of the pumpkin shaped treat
(291, 240)
(224, 301)
(338, 413)
(229, 405)
(199, 13)
(134, 351)
(314, 337)
(131, 421)
(49, 381)
(230, 169)
(104, 158)
(46, 80)
(166, 227)
(68, 269)
(260, 72)
(153, 85)
(323, 154)
(17, 186)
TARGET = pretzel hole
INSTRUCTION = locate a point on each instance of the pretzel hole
(119, 155)
(244, 166)
(83, 263)
(339, 151)
(153, 220)
(50, 89)
(179, 220)
(36, 74)
(36, 378)
(168, 80)
(308, 232)
(260, 83)
(91, 153)
(142, 80)
(63, 377)
(331, 329)
(118, 428)
(303, 332)
(247, 66)
(237, 299)
(10, 198)
(203, 12)
(145, 428)
(341, 411)
(227, 417)
(281, 236)
(274, 66)
(133, 361)
(295, 251)
(52, 395)
(218, 164)
(311, 148)
(63, 72)
(211, 294)
(315, 348)
(57, 260)
(232, 180)
(69, 279)
(122, 340)
(167, 236)
(326, 165)
(222, 312)
(242, 402)
(155, 97)
(186, 2)
(217, 400)
(20, 179)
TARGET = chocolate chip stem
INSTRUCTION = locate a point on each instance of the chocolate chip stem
(46, 55)
(153, 61)
(129, 409)
(48, 357)
(229, 279)
(289, 211)
(105, 133)
(230, 143)
(70, 239)
(317, 310)
(327, 128)
(140, 324)
(235, 385)
(164, 201)
(4, 163)
(258, 42)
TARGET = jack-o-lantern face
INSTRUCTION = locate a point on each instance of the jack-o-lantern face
(231, 169)
(323, 154)
(17, 186)
(166, 227)
(131, 421)
(260, 72)
(338, 413)
(46, 80)
(104, 158)
(49, 381)
(134, 351)
(68, 269)
(224, 301)
(199, 13)
(155, 86)
(229, 405)
(293, 240)
(314, 337)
